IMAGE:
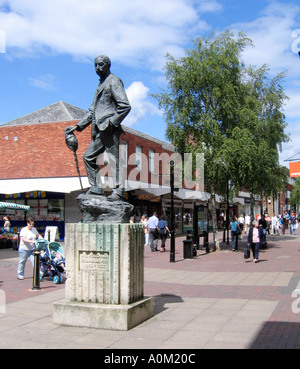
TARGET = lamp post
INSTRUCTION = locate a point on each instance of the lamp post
(297, 205)
(172, 251)
(227, 212)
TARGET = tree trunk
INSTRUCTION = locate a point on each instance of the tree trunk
(216, 243)
(252, 202)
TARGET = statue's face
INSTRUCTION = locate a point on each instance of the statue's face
(101, 67)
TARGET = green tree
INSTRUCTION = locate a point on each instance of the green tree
(295, 196)
(216, 106)
(260, 135)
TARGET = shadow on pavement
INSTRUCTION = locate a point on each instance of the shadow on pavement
(277, 335)
(161, 300)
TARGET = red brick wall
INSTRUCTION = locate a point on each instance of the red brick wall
(40, 150)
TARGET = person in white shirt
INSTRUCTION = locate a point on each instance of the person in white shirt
(241, 222)
(28, 236)
(153, 231)
(247, 223)
(275, 224)
(144, 221)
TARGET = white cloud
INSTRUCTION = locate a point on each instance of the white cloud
(130, 31)
(46, 82)
(291, 148)
(272, 34)
(274, 37)
(292, 107)
(137, 94)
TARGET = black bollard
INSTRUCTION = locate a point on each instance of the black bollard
(36, 271)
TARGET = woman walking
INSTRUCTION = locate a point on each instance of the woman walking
(28, 236)
(6, 226)
(255, 240)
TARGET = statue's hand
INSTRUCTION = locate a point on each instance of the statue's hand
(71, 139)
(69, 130)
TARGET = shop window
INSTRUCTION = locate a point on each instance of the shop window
(51, 209)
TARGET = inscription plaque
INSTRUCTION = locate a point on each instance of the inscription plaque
(97, 261)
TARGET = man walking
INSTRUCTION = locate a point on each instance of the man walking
(293, 222)
(153, 232)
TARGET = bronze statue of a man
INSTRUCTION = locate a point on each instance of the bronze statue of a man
(110, 106)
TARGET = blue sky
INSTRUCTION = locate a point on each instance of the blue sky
(47, 49)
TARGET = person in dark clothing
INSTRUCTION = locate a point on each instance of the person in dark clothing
(263, 224)
(163, 231)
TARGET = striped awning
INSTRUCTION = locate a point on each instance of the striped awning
(11, 205)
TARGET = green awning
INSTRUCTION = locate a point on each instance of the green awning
(11, 205)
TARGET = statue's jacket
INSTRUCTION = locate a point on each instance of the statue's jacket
(110, 106)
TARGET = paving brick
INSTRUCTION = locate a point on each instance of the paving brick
(215, 300)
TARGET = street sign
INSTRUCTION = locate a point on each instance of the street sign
(295, 169)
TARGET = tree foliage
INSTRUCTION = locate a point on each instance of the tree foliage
(231, 113)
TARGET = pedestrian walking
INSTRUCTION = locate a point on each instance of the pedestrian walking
(153, 232)
(28, 236)
(264, 225)
(293, 223)
(241, 222)
(268, 220)
(255, 240)
(281, 224)
(247, 223)
(6, 226)
(275, 224)
(144, 221)
(234, 226)
(163, 231)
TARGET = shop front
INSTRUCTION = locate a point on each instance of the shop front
(46, 208)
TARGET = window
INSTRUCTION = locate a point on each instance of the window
(151, 161)
(46, 209)
(138, 157)
(124, 153)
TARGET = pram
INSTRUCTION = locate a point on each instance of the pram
(52, 260)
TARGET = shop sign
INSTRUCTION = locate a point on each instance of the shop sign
(149, 197)
(295, 169)
(28, 195)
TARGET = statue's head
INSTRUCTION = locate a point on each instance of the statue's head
(102, 65)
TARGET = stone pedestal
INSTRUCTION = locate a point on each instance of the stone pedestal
(105, 277)
(98, 209)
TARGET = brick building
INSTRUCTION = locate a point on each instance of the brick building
(39, 170)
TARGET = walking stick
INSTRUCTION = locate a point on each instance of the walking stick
(72, 144)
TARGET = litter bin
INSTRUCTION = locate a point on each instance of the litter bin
(187, 249)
